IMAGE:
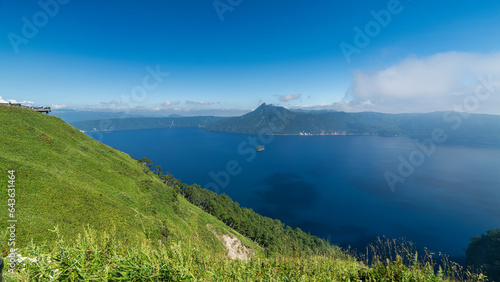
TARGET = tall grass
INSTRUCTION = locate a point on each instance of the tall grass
(400, 260)
(99, 257)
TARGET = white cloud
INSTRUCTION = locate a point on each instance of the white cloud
(204, 103)
(170, 103)
(439, 82)
(14, 101)
(289, 97)
(112, 102)
(223, 112)
(57, 107)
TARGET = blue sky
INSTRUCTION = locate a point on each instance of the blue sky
(224, 57)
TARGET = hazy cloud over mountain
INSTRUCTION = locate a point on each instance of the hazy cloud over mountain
(289, 97)
(445, 81)
(170, 103)
(199, 103)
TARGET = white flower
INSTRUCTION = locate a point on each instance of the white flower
(21, 259)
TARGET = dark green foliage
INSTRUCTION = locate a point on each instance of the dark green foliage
(158, 169)
(147, 162)
(484, 252)
(269, 233)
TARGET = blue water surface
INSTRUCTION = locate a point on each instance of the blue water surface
(334, 186)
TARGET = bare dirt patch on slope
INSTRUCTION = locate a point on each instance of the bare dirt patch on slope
(236, 250)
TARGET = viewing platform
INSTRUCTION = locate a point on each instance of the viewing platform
(41, 109)
(46, 110)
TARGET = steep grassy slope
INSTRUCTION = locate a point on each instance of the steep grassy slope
(135, 228)
(66, 179)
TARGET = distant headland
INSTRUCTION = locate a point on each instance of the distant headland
(275, 120)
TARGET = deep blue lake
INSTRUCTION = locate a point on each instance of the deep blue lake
(334, 186)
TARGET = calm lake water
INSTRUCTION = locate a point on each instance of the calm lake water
(334, 186)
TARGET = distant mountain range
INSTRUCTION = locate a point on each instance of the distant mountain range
(71, 116)
(269, 119)
(74, 116)
(127, 123)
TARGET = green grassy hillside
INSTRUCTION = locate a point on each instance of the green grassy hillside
(86, 211)
(66, 179)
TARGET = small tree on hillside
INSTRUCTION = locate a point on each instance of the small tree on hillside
(147, 162)
(484, 252)
(158, 169)
(166, 178)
